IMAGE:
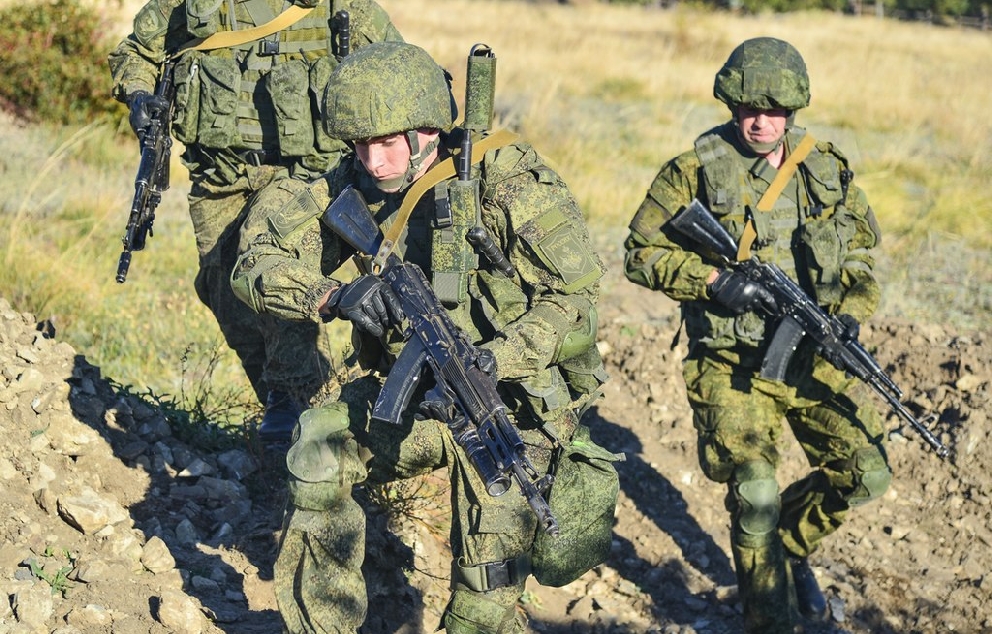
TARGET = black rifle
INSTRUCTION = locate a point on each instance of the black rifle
(464, 394)
(153, 175)
(798, 316)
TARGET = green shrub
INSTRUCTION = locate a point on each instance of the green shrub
(54, 63)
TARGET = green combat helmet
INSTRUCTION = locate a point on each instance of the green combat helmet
(389, 88)
(763, 73)
(386, 88)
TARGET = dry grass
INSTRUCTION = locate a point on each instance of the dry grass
(607, 93)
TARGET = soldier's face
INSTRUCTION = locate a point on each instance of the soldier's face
(385, 157)
(762, 126)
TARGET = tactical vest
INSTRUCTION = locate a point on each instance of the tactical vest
(261, 95)
(481, 300)
(804, 233)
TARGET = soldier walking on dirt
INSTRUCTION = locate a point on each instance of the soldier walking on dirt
(248, 78)
(527, 304)
(786, 199)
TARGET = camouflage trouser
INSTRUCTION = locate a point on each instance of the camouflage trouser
(292, 357)
(318, 579)
(738, 417)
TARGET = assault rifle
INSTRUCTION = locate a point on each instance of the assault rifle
(153, 174)
(798, 316)
(464, 395)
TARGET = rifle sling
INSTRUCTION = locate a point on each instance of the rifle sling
(443, 170)
(775, 189)
(231, 39)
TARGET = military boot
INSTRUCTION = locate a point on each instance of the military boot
(812, 603)
(281, 416)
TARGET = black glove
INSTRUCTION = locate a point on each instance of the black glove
(144, 106)
(851, 328)
(368, 303)
(735, 291)
(486, 361)
(850, 332)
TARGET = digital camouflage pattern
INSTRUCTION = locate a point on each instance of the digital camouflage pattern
(231, 101)
(288, 262)
(764, 73)
(820, 231)
(370, 99)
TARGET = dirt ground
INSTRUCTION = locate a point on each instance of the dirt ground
(189, 540)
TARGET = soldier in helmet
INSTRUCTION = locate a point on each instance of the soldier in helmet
(787, 199)
(248, 76)
(536, 323)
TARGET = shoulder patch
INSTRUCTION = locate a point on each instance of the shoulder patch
(556, 243)
(303, 206)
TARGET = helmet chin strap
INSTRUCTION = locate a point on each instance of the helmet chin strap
(417, 157)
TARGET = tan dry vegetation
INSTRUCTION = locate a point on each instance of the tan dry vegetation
(606, 92)
(610, 91)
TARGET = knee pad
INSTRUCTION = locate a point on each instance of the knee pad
(756, 493)
(324, 460)
(871, 476)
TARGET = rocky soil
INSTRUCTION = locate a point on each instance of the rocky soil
(110, 522)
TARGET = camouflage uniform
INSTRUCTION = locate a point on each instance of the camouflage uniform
(248, 116)
(820, 231)
(539, 325)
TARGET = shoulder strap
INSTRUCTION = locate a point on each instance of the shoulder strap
(440, 172)
(774, 190)
(230, 39)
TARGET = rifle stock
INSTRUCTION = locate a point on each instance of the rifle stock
(798, 316)
(152, 178)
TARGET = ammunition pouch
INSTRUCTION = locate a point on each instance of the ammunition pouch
(583, 497)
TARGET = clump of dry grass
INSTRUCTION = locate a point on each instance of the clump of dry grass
(607, 93)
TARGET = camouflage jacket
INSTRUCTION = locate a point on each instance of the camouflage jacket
(262, 95)
(292, 259)
(820, 231)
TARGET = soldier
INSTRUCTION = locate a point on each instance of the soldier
(786, 199)
(249, 77)
(392, 103)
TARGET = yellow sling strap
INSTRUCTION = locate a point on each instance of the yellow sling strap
(230, 39)
(442, 171)
(774, 190)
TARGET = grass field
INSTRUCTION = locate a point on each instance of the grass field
(607, 93)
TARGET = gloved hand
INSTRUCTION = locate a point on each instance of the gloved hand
(852, 329)
(144, 106)
(486, 361)
(735, 291)
(850, 332)
(368, 303)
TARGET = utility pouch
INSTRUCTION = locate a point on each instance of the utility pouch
(186, 112)
(826, 244)
(545, 392)
(320, 74)
(203, 17)
(584, 372)
(584, 499)
(452, 257)
(220, 87)
(292, 110)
